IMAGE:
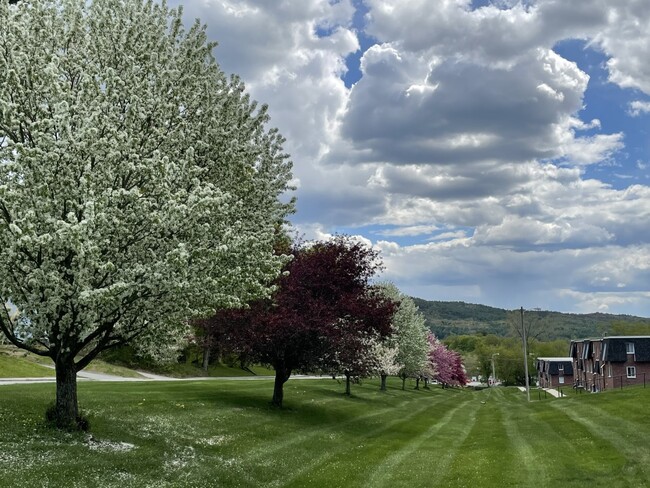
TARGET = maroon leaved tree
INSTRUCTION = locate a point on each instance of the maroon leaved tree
(323, 301)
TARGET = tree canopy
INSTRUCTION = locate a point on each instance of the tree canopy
(321, 317)
(446, 364)
(409, 333)
(139, 185)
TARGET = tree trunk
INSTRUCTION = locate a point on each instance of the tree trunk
(347, 383)
(403, 381)
(282, 374)
(383, 382)
(66, 409)
(206, 357)
(417, 383)
(426, 383)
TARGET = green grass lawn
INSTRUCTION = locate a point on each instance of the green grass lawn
(225, 434)
(189, 370)
(12, 366)
(17, 363)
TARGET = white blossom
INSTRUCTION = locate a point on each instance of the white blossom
(410, 332)
(385, 356)
(138, 185)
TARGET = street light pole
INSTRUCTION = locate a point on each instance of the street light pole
(523, 335)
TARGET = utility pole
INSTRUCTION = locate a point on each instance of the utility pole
(494, 376)
(523, 335)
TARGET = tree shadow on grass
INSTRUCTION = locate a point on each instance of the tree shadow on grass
(312, 405)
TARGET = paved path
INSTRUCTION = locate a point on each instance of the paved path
(87, 376)
(551, 391)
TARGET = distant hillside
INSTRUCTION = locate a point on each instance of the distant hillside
(457, 318)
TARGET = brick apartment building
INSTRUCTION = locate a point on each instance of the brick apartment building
(554, 372)
(611, 362)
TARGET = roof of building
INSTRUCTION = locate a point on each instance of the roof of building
(552, 365)
(586, 339)
(616, 350)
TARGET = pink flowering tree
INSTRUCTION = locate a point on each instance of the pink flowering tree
(447, 364)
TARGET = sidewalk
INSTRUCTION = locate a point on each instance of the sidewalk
(17, 381)
(551, 391)
(82, 375)
(87, 376)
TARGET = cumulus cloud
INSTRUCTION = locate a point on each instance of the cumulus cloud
(625, 39)
(489, 35)
(632, 303)
(277, 50)
(465, 133)
(507, 278)
(639, 107)
(412, 230)
(460, 112)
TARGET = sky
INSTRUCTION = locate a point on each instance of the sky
(493, 151)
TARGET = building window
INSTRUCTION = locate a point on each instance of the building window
(631, 372)
(560, 367)
(561, 380)
(629, 347)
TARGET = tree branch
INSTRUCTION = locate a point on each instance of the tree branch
(104, 344)
(17, 342)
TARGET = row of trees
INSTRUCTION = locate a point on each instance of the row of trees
(326, 316)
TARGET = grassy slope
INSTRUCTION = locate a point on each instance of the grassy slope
(20, 367)
(225, 434)
(185, 370)
(16, 363)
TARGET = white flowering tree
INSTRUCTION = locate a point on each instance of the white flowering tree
(409, 333)
(138, 185)
(385, 354)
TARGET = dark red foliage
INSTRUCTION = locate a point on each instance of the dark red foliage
(322, 304)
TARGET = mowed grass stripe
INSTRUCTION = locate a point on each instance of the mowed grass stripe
(335, 419)
(186, 434)
(537, 434)
(486, 457)
(577, 458)
(626, 438)
(560, 450)
(375, 448)
(440, 442)
(512, 417)
(362, 439)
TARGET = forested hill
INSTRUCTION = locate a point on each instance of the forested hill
(457, 318)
